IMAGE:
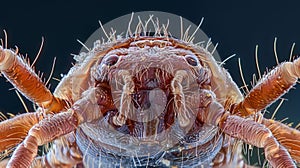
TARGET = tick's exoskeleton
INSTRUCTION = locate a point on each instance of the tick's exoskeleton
(146, 100)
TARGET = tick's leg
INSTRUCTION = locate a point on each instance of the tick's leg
(13, 131)
(3, 163)
(21, 75)
(247, 130)
(270, 88)
(288, 137)
(47, 130)
(257, 134)
(43, 132)
(63, 153)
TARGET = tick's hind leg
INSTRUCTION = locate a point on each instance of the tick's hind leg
(245, 129)
(13, 131)
(288, 137)
(41, 133)
(257, 134)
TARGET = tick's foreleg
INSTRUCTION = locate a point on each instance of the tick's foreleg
(270, 88)
(27, 81)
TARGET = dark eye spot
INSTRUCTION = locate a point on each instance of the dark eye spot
(192, 60)
(111, 60)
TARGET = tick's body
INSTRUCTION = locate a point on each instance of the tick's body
(146, 101)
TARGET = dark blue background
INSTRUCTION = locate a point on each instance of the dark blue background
(237, 26)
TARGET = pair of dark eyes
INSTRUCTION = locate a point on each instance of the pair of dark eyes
(113, 59)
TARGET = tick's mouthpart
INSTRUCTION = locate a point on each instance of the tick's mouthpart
(152, 85)
(150, 101)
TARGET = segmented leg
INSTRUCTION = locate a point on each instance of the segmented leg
(43, 132)
(14, 130)
(64, 153)
(258, 135)
(27, 81)
(4, 162)
(248, 130)
(270, 88)
(288, 137)
(83, 110)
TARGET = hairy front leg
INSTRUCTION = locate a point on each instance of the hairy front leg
(270, 88)
(23, 78)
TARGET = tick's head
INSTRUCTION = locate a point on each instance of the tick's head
(153, 82)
